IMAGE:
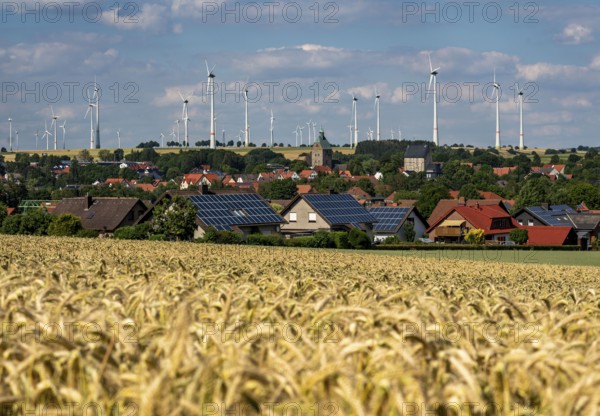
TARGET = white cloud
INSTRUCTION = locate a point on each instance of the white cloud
(149, 17)
(576, 34)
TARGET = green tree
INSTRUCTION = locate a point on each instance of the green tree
(535, 191)
(475, 236)
(35, 222)
(64, 225)
(12, 224)
(3, 212)
(519, 235)
(409, 231)
(574, 193)
(175, 219)
(431, 193)
(106, 155)
(359, 240)
(278, 189)
(555, 159)
(85, 156)
(469, 191)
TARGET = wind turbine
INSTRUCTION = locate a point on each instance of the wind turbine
(314, 125)
(370, 134)
(296, 132)
(309, 123)
(350, 128)
(37, 133)
(10, 134)
(97, 95)
(355, 114)
(119, 138)
(172, 135)
(211, 91)
(54, 123)
(162, 140)
(497, 93)
(64, 133)
(17, 137)
(46, 134)
(185, 118)
(392, 133)
(247, 126)
(377, 97)
(301, 129)
(177, 122)
(90, 111)
(521, 134)
(433, 79)
(272, 120)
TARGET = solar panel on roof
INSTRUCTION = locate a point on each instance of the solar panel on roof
(389, 217)
(223, 211)
(339, 208)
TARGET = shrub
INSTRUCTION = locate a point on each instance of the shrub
(300, 242)
(340, 239)
(64, 225)
(136, 232)
(221, 237)
(323, 239)
(359, 240)
(264, 240)
(12, 224)
(35, 222)
(157, 237)
(475, 236)
(392, 239)
(519, 235)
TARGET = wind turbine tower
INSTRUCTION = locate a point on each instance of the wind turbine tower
(378, 131)
(119, 138)
(90, 111)
(54, 123)
(64, 134)
(177, 121)
(272, 120)
(247, 126)
(47, 134)
(497, 92)
(97, 95)
(10, 134)
(355, 114)
(211, 92)
(433, 80)
(185, 118)
(521, 133)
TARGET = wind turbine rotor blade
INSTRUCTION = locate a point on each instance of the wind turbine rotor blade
(52, 110)
(430, 65)
(181, 95)
(436, 70)
(430, 81)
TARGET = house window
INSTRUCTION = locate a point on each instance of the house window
(312, 217)
(530, 223)
(293, 217)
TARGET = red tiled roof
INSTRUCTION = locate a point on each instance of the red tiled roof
(305, 173)
(10, 211)
(481, 217)
(446, 204)
(115, 181)
(192, 178)
(406, 202)
(489, 195)
(504, 171)
(454, 194)
(304, 189)
(324, 169)
(148, 187)
(357, 192)
(542, 235)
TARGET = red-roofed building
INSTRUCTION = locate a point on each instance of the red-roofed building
(116, 182)
(198, 179)
(358, 194)
(10, 211)
(147, 187)
(504, 171)
(542, 235)
(308, 174)
(444, 205)
(494, 220)
(304, 189)
(482, 195)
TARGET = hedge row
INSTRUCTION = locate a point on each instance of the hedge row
(432, 247)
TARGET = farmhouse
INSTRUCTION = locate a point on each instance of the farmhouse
(494, 220)
(102, 214)
(309, 213)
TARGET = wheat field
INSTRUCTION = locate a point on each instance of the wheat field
(106, 327)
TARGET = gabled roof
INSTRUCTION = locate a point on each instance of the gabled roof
(481, 217)
(585, 221)
(504, 171)
(336, 209)
(554, 215)
(358, 193)
(10, 211)
(102, 214)
(542, 235)
(391, 219)
(416, 151)
(444, 205)
(304, 188)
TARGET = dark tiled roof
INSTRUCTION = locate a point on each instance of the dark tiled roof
(416, 151)
(104, 214)
(585, 221)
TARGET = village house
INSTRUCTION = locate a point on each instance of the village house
(393, 220)
(102, 214)
(309, 213)
(494, 220)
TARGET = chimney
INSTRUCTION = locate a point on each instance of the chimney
(88, 201)
(477, 205)
(462, 201)
(546, 206)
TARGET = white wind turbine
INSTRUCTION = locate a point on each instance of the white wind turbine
(433, 80)
(378, 131)
(46, 135)
(211, 92)
(350, 128)
(17, 138)
(521, 132)
(301, 129)
(173, 135)
(119, 138)
(185, 118)
(64, 133)
(90, 111)
(497, 93)
(314, 125)
(271, 129)
(54, 123)
(296, 133)
(246, 125)
(37, 134)
(162, 140)
(10, 134)
(97, 95)
(177, 122)
(370, 134)
(355, 115)
(392, 133)
(309, 124)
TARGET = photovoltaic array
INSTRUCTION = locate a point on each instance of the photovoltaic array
(389, 217)
(556, 215)
(340, 209)
(223, 211)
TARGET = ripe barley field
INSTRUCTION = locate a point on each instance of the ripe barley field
(155, 328)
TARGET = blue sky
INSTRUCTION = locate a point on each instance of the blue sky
(305, 66)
